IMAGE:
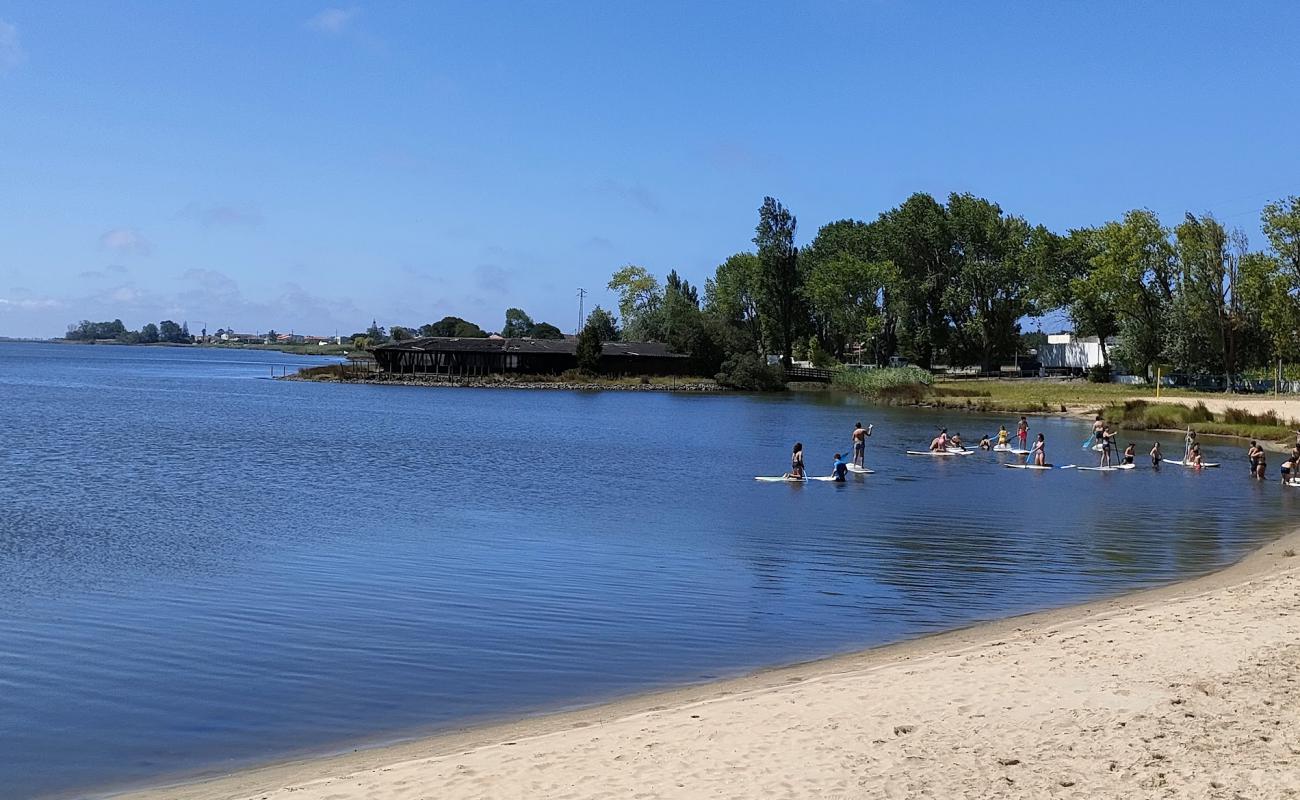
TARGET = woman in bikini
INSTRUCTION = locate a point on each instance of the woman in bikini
(796, 462)
(1040, 451)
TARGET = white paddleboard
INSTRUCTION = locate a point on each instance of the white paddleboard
(1114, 468)
(1003, 448)
(960, 451)
(766, 479)
(855, 469)
(1030, 466)
(1292, 482)
(1185, 464)
(930, 453)
(827, 478)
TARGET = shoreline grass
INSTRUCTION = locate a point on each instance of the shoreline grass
(1140, 415)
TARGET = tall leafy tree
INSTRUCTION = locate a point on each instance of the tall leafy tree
(545, 330)
(1209, 315)
(453, 327)
(518, 324)
(843, 283)
(639, 299)
(1135, 264)
(918, 239)
(732, 295)
(991, 286)
(1281, 223)
(778, 275)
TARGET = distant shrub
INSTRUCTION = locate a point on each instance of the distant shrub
(1099, 373)
(895, 382)
(748, 372)
(1199, 413)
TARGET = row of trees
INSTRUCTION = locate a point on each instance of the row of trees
(951, 282)
(518, 324)
(165, 331)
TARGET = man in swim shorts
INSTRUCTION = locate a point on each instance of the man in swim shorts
(860, 435)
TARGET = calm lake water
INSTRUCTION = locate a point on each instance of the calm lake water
(204, 568)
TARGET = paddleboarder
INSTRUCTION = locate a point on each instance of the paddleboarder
(1040, 450)
(796, 461)
(840, 469)
(1022, 432)
(1130, 453)
(860, 435)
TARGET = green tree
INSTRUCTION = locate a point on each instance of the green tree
(600, 328)
(917, 237)
(992, 280)
(518, 324)
(149, 333)
(732, 296)
(778, 295)
(400, 333)
(844, 281)
(169, 331)
(1135, 264)
(1281, 223)
(604, 323)
(1272, 310)
(453, 327)
(639, 299)
(545, 330)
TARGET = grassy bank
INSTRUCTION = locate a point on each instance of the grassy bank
(1031, 396)
(1139, 415)
(893, 385)
(571, 379)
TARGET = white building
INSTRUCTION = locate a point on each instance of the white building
(1067, 351)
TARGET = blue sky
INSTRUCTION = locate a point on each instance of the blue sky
(305, 166)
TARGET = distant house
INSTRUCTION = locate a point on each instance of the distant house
(1067, 351)
(459, 356)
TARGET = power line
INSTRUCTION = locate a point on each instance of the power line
(582, 294)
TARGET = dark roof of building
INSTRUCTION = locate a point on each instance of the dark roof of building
(430, 344)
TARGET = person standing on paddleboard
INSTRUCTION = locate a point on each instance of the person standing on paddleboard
(1107, 445)
(860, 435)
(1040, 451)
(1022, 432)
(1098, 429)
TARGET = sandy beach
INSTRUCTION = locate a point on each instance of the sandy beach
(1189, 690)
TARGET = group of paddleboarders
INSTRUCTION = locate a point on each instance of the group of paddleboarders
(840, 468)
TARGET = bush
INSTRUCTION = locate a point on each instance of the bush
(750, 373)
(1199, 413)
(1099, 373)
(896, 382)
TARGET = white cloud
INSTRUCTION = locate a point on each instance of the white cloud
(11, 50)
(29, 303)
(126, 240)
(332, 21)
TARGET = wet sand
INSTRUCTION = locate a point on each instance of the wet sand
(1190, 690)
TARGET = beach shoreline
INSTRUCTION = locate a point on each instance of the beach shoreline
(905, 681)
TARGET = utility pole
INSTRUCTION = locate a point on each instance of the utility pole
(582, 294)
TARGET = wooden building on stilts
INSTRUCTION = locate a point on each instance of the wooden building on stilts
(437, 355)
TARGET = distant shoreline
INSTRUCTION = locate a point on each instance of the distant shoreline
(695, 385)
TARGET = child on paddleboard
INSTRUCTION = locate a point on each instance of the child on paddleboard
(840, 469)
(1004, 438)
(1022, 432)
(940, 442)
(985, 443)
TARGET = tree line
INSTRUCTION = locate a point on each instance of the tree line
(951, 282)
(518, 324)
(165, 331)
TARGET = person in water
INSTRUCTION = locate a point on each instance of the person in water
(1286, 470)
(1022, 432)
(1156, 455)
(860, 435)
(1254, 454)
(1130, 453)
(796, 461)
(840, 469)
(1040, 451)
(955, 442)
(985, 443)
(1004, 438)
